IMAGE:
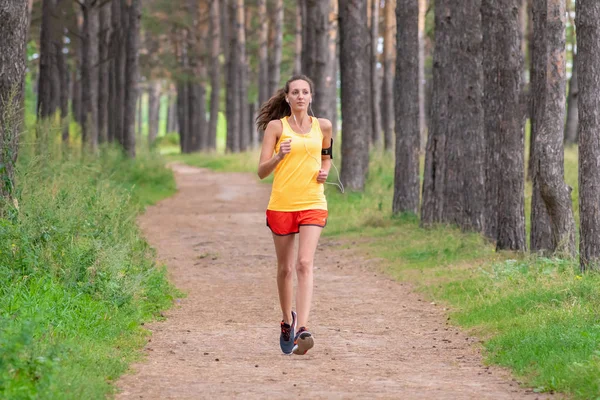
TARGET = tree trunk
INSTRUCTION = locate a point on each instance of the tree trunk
(275, 65)
(502, 62)
(215, 75)
(153, 111)
(572, 106)
(453, 188)
(65, 74)
(588, 59)
(131, 75)
(406, 178)
(245, 133)
(422, 84)
(298, 37)
(89, 77)
(550, 19)
(375, 84)
(389, 67)
(103, 73)
(13, 30)
(233, 84)
(332, 68)
(355, 70)
(316, 56)
(48, 99)
(116, 93)
(263, 57)
(529, 93)
(182, 115)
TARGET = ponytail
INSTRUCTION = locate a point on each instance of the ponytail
(276, 107)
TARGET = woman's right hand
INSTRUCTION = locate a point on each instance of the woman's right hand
(285, 148)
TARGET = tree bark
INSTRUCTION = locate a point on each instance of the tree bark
(103, 72)
(389, 67)
(300, 6)
(245, 133)
(453, 189)
(263, 56)
(48, 99)
(89, 77)
(502, 62)
(550, 18)
(275, 65)
(355, 70)
(406, 177)
(153, 111)
(131, 75)
(375, 81)
(215, 75)
(572, 106)
(13, 30)
(422, 82)
(233, 84)
(588, 59)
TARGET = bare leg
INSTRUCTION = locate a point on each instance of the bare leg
(309, 238)
(284, 247)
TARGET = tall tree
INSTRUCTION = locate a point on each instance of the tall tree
(355, 70)
(48, 99)
(215, 75)
(275, 59)
(263, 56)
(502, 64)
(389, 67)
(103, 71)
(453, 187)
(243, 77)
(234, 63)
(153, 111)
(300, 11)
(317, 57)
(116, 89)
(572, 105)
(406, 91)
(13, 30)
(422, 85)
(588, 59)
(131, 74)
(548, 179)
(375, 84)
(89, 75)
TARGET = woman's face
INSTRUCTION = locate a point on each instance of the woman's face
(299, 95)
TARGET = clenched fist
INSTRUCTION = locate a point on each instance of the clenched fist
(322, 176)
(284, 148)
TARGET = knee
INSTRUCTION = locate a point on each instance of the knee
(284, 270)
(304, 266)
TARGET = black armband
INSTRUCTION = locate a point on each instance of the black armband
(328, 151)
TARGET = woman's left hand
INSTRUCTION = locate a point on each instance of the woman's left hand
(322, 176)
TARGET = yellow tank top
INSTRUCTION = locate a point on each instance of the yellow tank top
(295, 186)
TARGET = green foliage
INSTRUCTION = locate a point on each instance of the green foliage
(77, 280)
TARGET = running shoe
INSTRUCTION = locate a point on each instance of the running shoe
(303, 342)
(286, 339)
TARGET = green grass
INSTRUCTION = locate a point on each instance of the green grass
(77, 279)
(537, 316)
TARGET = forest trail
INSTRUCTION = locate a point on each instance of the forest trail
(374, 338)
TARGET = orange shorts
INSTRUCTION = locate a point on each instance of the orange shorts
(284, 223)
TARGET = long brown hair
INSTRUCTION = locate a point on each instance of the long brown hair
(276, 107)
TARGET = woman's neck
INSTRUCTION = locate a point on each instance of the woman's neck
(300, 117)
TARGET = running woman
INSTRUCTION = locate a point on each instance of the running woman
(297, 148)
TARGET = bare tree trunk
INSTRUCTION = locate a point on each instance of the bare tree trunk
(332, 68)
(275, 66)
(153, 111)
(245, 133)
(263, 57)
(406, 178)
(316, 56)
(550, 18)
(182, 115)
(233, 84)
(89, 76)
(375, 84)
(48, 86)
(215, 76)
(588, 59)
(572, 106)
(65, 75)
(422, 84)
(502, 64)
(453, 189)
(389, 67)
(103, 73)
(355, 70)
(298, 37)
(131, 75)
(13, 30)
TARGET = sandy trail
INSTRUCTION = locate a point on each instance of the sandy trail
(374, 338)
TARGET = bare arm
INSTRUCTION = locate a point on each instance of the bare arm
(268, 161)
(325, 160)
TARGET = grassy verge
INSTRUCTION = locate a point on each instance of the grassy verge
(77, 280)
(537, 316)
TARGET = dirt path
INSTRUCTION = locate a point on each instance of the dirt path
(374, 338)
